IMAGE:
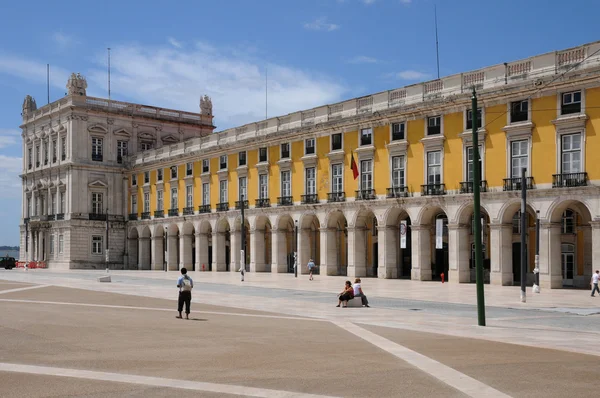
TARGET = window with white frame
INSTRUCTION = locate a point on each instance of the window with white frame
(242, 158)
(337, 178)
(336, 142)
(571, 103)
(54, 151)
(96, 203)
(366, 175)
(205, 166)
(398, 172)
(53, 203)
(61, 244)
(146, 177)
(519, 157)
(398, 133)
(146, 202)
(223, 162)
(242, 188)
(29, 158)
(285, 150)
(206, 193)
(263, 186)
(189, 196)
(434, 125)
(97, 149)
(189, 169)
(145, 146)
(568, 222)
(174, 204)
(173, 172)
(121, 150)
(62, 202)
(159, 200)
(97, 244)
(286, 184)
(223, 191)
(134, 180)
(469, 124)
(46, 152)
(470, 163)
(310, 181)
(309, 146)
(37, 156)
(366, 137)
(63, 148)
(263, 155)
(159, 174)
(51, 243)
(571, 153)
(519, 111)
(434, 167)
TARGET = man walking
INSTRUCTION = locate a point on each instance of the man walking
(185, 285)
(311, 265)
(595, 278)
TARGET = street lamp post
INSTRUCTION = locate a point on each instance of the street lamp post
(165, 243)
(107, 250)
(536, 270)
(296, 249)
(243, 251)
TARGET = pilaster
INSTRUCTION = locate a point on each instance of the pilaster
(421, 252)
(458, 253)
(550, 256)
(357, 254)
(388, 252)
(501, 254)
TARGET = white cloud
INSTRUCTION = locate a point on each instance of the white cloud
(176, 78)
(33, 71)
(10, 168)
(175, 43)
(362, 59)
(406, 2)
(321, 24)
(9, 137)
(412, 75)
(63, 41)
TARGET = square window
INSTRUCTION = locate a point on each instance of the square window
(397, 131)
(189, 169)
(434, 125)
(173, 172)
(262, 155)
(242, 158)
(336, 142)
(205, 166)
(309, 146)
(469, 124)
(571, 103)
(519, 111)
(285, 150)
(223, 162)
(366, 137)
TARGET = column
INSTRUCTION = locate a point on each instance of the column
(357, 266)
(595, 245)
(421, 252)
(257, 250)
(388, 252)
(185, 251)
(587, 256)
(235, 242)
(157, 249)
(459, 253)
(172, 264)
(501, 255)
(219, 252)
(278, 251)
(550, 256)
(143, 253)
(202, 251)
(329, 244)
(303, 250)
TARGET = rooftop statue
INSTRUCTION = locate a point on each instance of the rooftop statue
(76, 84)
(29, 105)
(205, 106)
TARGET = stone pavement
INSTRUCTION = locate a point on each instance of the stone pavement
(283, 336)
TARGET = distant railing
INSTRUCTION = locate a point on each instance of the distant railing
(566, 180)
(223, 206)
(397, 192)
(467, 186)
(365, 194)
(133, 216)
(285, 201)
(188, 211)
(433, 189)
(308, 199)
(146, 215)
(240, 203)
(336, 196)
(264, 202)
(173, 212)
(204, 209)
(514, 184)
(159, 213)
(97, 217)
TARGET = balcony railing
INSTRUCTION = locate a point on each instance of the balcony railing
(285, 201)
(96, 157)
(60, 216)
(567, 180)
(240, 203)
(173, 212)
(97, 217)
(514, 184)
(467, 186)
(308, 199)
(433, 189)
(223, 206)
(146, 215)
(204, 209)
(336, 196)
(397, 192)
(51, 217)
(188, 211)
(264, 202)
(159, 213)
(365, 194)
(132, 216)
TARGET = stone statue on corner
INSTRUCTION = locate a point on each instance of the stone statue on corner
(205, 106)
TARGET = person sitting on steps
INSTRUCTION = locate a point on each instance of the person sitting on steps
(346, 294)
(359, 293)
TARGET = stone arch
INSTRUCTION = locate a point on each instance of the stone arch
(260, 244)
(335, 259)
(557, 208)
(284, 244)
(510, 207)
(309, 241)
(426, 214)
(396, 246)
(364, 249)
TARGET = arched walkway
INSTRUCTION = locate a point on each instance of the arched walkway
(430, 245)
(260, 244)
(395, 245)
(221, 246)
(334, 245)
(283, 245)
(186, 247)
(461, 246)
(203, 247)
(132, 248)
(362, 244)
(158, 245)
(144, 252)
(172, 247)
(309, 242)
(236, 246)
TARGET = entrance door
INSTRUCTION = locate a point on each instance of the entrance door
(568, 263)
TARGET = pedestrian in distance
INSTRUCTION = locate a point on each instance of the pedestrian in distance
(185, 285)
(358, 292)
(595, 278)
(311, 265)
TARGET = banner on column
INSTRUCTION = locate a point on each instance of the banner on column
(439, 230)
(403, 234)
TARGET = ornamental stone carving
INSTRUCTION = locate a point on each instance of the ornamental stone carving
(76, 84)
(205, 106)
(29, 105)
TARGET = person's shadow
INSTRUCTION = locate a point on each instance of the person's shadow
(197, 319)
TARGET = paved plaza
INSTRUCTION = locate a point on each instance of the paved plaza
(66, 334)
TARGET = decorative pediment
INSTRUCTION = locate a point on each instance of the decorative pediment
(97, 128)
(144, 135)
(98, 184)
(122, 132)
(169, 139)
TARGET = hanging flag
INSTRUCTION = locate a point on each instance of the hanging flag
(439, 233)
(354, 168)
(403, 225)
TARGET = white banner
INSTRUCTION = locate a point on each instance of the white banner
(439, 231)
(403, 234)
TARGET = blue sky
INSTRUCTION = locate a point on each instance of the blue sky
(315, 51)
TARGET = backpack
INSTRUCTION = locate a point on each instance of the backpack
(186, 284)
